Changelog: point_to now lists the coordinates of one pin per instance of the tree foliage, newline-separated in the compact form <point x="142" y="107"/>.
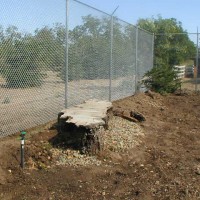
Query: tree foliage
<point x="172" y="45"/>
<point x="25" y="57"/>
<point x="89" y="49"/>
<point x="20" y="64"/>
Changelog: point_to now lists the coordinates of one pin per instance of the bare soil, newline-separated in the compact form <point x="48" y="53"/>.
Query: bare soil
<point x="165" y="164"/>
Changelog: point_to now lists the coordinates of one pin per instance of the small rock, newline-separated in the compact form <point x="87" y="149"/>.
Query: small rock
<point x="10" y="170"/>
<point x="162" y="109"/>
<point x="103" y="193"/>
<point x="28" y="142"/>
<point x="157" y="182"/>
<point x="197" y="171"/>
<point x="75" y="155"/>
<point x="69" y="157"/>
<point x="140" y="117"/>
<point x="150" y="94"/>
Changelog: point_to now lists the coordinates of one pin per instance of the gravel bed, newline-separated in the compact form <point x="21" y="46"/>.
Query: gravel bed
<point x="74" y="158"/>
<point x="121" y="136"/>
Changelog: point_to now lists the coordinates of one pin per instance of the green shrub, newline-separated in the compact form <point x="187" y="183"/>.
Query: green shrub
<point x="162" y="79"/>
<point x="20" y="67"/>
<point x="22" y="77"/>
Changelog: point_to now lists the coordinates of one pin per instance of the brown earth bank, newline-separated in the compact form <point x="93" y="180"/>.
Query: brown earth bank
<point x="161" y="161"/>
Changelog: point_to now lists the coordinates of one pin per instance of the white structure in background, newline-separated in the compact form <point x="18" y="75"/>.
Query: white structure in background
<point x="189" y="71"/>
<point x="180" y="70"/>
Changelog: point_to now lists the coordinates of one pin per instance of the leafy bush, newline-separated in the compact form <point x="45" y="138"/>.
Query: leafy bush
<point x="20" y="67"/>
<point x="169" y="49"/>
<point x="162" y="79"/>
<point x="22" y="78"/>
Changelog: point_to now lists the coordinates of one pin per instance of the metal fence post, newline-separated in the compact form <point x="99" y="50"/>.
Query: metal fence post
<point x="111" y="59"/>
<point x="66" y="53"/>
<point x="153" y="39"/>
<point x="136" y="61"/>
<point x="111" y="54"/>
<point x="197" y="60"/>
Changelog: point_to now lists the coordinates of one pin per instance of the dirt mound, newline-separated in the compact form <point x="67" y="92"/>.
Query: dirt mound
<point x="158" y="158"/>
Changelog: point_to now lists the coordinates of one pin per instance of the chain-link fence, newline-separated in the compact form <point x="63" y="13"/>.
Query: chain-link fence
<point x="55" y="56"/>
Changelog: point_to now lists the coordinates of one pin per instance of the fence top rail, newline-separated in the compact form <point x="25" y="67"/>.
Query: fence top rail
<point x="92" y="7"/>
<point x="111" y="16"/>
<point x="185" y="33"/>
<point x="125" y="22"/>
<point x="145" y="30"/>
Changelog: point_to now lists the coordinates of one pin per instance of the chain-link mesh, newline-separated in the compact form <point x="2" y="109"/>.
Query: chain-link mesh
<point x="124" y="65"/>
<point x="101" y="63"/>
<point x="89" y="54"/>
<point x="31" y="59"/>
<point x="145" y="53"/>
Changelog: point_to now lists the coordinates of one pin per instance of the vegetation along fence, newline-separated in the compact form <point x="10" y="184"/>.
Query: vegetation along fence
<point x="60" y="53"/>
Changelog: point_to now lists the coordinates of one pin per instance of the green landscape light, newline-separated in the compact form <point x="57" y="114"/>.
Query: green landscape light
<point x="23" y="133"/>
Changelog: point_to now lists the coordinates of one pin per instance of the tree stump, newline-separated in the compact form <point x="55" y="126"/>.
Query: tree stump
<point x="81" y="126"/>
